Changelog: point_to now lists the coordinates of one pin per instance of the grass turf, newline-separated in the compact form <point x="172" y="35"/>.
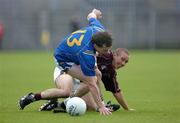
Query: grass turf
<point x="150" y="82"/>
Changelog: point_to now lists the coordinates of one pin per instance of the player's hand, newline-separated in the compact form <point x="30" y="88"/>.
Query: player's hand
<point x="104" y="111"/>
<point x="97" y="13"/>
<point x="131" y="109"/>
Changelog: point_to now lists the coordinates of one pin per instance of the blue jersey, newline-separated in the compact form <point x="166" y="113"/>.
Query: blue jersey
<point x="77" y="48"/>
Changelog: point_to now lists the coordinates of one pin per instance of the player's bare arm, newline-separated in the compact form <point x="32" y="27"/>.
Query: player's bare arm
<point x="91" y="82"/>
<point x="99" y="76"/>
<point x="119" y="97"/>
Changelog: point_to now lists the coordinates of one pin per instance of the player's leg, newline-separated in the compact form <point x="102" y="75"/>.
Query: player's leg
<point x="76" y="84"/>
<point x="64" y="87"/>
<point x="63" y="84"/>
<point x="90" y="103"/>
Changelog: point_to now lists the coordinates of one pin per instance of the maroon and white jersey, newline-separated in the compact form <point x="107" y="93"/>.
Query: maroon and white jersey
<point x="104" y="63"/>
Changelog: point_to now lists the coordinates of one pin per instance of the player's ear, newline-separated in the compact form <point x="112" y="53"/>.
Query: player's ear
<point x="95" y="45"/>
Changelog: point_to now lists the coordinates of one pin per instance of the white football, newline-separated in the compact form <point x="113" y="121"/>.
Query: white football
<point x="76" y="106"/>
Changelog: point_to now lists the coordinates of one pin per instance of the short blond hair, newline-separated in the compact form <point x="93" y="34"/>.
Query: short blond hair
<point x="118" y="51"/>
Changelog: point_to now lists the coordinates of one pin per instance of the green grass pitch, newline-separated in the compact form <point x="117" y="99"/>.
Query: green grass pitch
<point x="150" y="83"/>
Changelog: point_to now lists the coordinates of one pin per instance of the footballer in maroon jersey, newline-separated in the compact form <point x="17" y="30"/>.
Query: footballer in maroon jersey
<point x="107" y="69"/>
<point x="107" y="64"/>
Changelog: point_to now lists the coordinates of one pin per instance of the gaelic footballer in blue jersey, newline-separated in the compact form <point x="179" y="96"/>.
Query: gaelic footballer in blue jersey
<point x="80" y="47"/>
<point x="75" y="55"/>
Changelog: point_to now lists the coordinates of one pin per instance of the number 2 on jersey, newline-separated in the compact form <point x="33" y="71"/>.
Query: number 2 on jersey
<point x="75" y="41"/>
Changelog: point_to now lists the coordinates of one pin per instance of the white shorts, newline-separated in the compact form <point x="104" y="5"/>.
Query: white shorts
<point x="59" y="70"/>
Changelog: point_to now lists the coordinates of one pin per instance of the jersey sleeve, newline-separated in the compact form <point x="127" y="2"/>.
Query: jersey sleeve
<point x="96" y="23"/>
<point x="87" y="63"/>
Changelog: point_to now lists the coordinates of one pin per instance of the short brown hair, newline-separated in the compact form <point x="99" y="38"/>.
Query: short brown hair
<point x="102" y="39"/>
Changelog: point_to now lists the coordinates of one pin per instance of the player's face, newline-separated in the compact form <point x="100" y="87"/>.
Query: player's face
<point x="121" y="60"/>
<point x="102" y="50"/>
